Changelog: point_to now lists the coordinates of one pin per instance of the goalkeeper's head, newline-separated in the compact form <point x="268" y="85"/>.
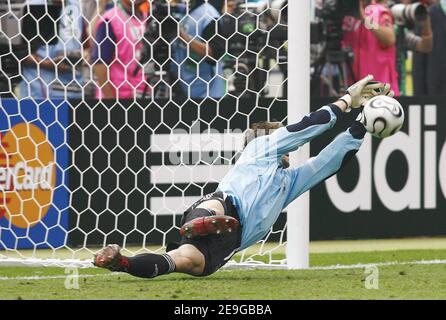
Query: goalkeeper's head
<point x="265" y="128"/>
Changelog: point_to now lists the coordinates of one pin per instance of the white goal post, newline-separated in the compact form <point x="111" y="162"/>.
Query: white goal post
<point x="77" y="173"/>
<point x="298" y="218"/>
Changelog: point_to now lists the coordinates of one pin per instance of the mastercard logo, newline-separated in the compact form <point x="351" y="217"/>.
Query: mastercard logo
<point x="27" y="175"/>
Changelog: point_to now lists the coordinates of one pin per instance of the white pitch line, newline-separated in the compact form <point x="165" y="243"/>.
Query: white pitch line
<point x="58" y="277"/>
<point x="233" y="266"/>
<point x="33" y="262"/>
<point x="379" y="264"/>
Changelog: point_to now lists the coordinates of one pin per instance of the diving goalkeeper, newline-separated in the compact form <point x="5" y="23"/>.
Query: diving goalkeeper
<point x="254" y="192"/>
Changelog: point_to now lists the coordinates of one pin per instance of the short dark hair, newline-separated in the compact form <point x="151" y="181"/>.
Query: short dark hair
<point x="259" y="129"/>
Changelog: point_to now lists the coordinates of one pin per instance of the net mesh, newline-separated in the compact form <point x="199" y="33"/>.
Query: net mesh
<point x="116" y="117"/>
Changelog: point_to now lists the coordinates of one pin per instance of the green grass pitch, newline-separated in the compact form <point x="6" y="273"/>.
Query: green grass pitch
<point x="403" y="276"/>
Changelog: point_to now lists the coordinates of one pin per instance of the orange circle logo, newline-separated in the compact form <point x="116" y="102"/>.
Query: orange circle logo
<point x="27" y="175"/>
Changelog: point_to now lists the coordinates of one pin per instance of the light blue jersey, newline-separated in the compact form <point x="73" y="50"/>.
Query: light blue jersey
<point x="260" y="188"/>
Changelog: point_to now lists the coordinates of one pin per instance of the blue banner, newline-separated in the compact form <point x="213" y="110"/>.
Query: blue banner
<point x="34" y="196"/>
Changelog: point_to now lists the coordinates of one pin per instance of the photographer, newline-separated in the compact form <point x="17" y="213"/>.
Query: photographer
<point x="430" y="69"/>
<point x="372" y="39"/>
<point x="53" y="71"/>
<point x="418" y="34"/>
<point x="414" y="34"/>
<point x="117" y="50"/>
<point x="198" y="51"/>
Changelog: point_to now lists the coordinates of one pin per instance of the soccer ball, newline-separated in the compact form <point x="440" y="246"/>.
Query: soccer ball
<point x="382" y="116"/>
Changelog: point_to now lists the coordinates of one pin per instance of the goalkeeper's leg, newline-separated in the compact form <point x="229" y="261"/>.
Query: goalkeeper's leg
<point x="198" y="256"/>
<point x="328" y="162"/>
<point x="186" y="259"/>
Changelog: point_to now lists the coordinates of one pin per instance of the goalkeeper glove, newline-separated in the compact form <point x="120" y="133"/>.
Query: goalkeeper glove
<point x="364" y="90"/>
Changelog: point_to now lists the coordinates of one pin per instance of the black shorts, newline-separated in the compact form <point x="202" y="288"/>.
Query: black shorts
<point x="217" y="249"/>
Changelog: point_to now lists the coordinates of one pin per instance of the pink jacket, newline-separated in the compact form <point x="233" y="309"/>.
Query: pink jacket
<point x="370" y="56"/>
<point x="129" y="32"/>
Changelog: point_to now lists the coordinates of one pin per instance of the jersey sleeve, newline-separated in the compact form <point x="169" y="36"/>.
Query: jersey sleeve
<point x="290" y="138"/>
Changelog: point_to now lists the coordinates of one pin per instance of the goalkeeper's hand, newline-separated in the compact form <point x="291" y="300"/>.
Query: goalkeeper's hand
<point x="364" y="90"/>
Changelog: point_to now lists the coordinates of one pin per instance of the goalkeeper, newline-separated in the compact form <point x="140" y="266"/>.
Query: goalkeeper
<point x="251" y="196"/>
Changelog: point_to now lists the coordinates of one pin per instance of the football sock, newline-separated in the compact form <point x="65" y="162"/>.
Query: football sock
<point x="148" y="265"/>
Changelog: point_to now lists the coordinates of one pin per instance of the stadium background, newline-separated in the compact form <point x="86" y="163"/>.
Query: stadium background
<point x="424" y="218"/>
<point x="110" y="185"/>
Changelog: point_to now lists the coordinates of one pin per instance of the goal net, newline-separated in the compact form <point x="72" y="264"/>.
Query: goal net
<point x="118" y="115"/>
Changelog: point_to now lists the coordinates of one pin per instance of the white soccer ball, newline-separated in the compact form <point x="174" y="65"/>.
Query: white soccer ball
<point x="383" y="116"/>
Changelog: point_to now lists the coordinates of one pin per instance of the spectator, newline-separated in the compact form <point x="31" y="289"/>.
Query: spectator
<point x="231" y="6"/>
<point x="417" y="38"/>
<point x="372" y="39"/>
<point x="430" y="69"/>
<point x="92" y="11"/>
<point x="54" y="71"/>
<point x="197" y="54"/>
<point x="117" y="50"/>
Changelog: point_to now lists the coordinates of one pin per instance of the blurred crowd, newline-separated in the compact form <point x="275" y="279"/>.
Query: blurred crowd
<point x="400" y="42"/>
<point x="129" y="48"/>
<point x="101" y="48"/>
<point x="120" y="48"/>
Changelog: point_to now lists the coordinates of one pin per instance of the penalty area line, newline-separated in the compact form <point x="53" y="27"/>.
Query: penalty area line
<point x="60" y="277"/>
<point x="379" y="264"/>
<point x="232" y="267"/>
